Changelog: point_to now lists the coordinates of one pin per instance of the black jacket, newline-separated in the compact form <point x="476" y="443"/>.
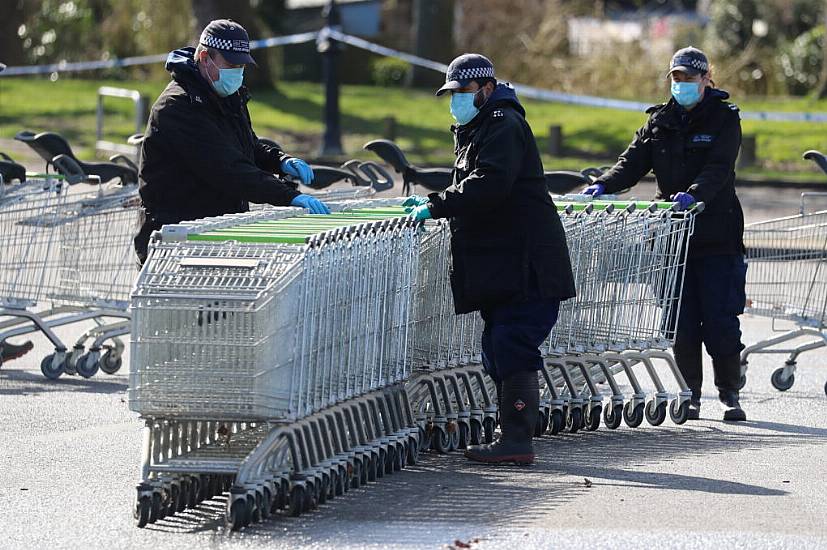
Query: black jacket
<point x="200" y="156"/>
<point x="507" y="241"/>
<point x="692" y="151"/>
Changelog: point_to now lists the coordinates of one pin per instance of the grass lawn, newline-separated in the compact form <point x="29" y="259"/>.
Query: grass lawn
<point x="292" y="115"/>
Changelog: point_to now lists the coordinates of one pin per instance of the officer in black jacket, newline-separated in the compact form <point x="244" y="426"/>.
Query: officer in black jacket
<point x="510" y="258"/>
<point x="200" y="156"/>
<point x="691" y="144"/>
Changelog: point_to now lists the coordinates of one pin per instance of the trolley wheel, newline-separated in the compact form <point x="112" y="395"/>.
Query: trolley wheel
<point x="373" y="467"/>
<point x="323" y="489"/>
<point x="593" y="421"/>
<point x="781" y="383"/>
<point x="86" y="366"/>
<point x="390" y="459"/>
<point x="413" y="453"/>
<point x="298" y="495"/>
<point x="311" y="502"/>
<point x="440" y="440"/>
<point x="825" y="388"/>
<point x="174" y="500"/>
<point x="237" y="516"/>
<point x="488" y="430"/>
<point x="679" y="413"/>
<point x="453" y="434"/>
<point x="49" y="370"/>
<point x="475" y="437"/>
<point x="655" y="415"/>
<point x="381" y="460"/>
<point x="555" y="421"/>
<point x="464" y="435"/>
<point x="142" y="509"/>
<point x="633" y="416"/>
<point x="542" y="424"/>
<point x="612" y="416"/>
<point x="742" y="382"/>
<point x="574" y="420"/>
<point x="110" y="363"/>
<point x="356" y="476"/>
<point x="155" y="508"/>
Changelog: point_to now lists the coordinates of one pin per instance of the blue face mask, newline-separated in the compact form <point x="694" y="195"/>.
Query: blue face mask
<point x="463" y="108"/>
<point x="229" y="81"/>
<point x="686" y="94"/>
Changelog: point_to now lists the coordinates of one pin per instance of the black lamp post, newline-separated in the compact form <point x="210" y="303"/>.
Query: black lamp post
<point x="329" y="48"/>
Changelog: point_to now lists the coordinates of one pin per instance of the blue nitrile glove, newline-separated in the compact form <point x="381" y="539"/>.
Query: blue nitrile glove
<point x="594" y="190"/>
<point x="311" y="203"/>
<point x="420" y="213"/>
<point x="684" y="200"/>
<point x="298" y="168"/>
<point x="415" y="200"/>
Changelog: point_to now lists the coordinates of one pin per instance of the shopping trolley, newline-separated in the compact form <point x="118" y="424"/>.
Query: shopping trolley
<point x="787" y="281"/>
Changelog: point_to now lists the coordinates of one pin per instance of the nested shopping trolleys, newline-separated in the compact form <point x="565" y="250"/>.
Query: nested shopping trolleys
<point x="70" y="262"/>
<point x="787" y="281"/>
<point x="284" y="331"/>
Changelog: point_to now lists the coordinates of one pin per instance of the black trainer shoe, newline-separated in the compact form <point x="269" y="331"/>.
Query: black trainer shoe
<point x="694" y="409"/>
<point x="9" y="351"/>
<point x="732" y="407"/>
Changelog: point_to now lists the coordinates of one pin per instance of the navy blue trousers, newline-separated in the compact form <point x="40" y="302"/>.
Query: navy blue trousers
<point x="713" y="298"/>
<point x="513" y="334"/>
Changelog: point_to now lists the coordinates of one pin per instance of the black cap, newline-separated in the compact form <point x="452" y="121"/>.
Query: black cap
<point x="464" y="69"/>
<point x="691" y="61"/>
<point x="229" y="38"/>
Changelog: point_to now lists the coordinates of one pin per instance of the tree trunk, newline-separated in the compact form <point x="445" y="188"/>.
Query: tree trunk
<point x="241" y="11"/>
<point x="822" y="89"/>
<point x="11" y="47"/>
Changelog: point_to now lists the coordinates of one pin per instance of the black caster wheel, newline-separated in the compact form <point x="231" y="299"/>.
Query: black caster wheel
<point x="142" y="511"/>
<point x="555" y="422"/>
<point x="266" y="503"/>
<point x="633" y="416"/>
<point x="574" y="420"/>
<point x="324" y="490"/>
<point x="679" y="413"/>
<point x="356" y="475"/>
<point x="381" y="460"/>
<point x="593" y="420"/>
<point x="655" y="415"/>
<point x="254" y="507"/>
<point x="390" y="459"/>
<point x="453" y="433"/>
<point x="298" y="496"/>
<point x="781" y="383"/>
<point x="50" y="370"/>
<point x="87" y="366"/>
<point x="488" y="430"/>
<point x="464" y="435"/>
<point x="440" y="440"/>
<point x="184" y="496"/>
<point x="155" y="508"/>
<point x="612" y="416"/>
<point x="237" y="516"/>
<point x="174" y="500"/>
<point x="825" y="388"/>
<point x="373" y="468"/>
<point x="281" y="498"/>
<point x="109" y="363"/>
<point x="413" y="453"/>
<point x="345" y="475"/>
<point x="476" y="432"/>
<point x="195" y="490"/>
<point x="542" y="424"/>
<point x="311" y="501"/>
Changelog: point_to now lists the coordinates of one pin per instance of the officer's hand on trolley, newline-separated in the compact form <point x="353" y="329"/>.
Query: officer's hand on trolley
<point x="419" y="213"/>
<point x="415" y="200"/>
<point x="684" y="200"/>
<point x="311" y="203"/>
<point x="594" y="190"/>
<point x="299" y="169"/>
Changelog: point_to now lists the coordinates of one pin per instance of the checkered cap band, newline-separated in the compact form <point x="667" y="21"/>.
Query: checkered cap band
<point x="687" y="61"/>
<point x="470" y="73"/>
<point x="223" y="44"/>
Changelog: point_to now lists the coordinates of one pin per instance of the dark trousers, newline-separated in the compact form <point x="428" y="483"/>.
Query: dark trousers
<point x="713" y="298"/>
<point x="513" y="334"/>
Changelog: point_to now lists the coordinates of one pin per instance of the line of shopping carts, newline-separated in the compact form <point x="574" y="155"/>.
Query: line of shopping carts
<point x="787" y="282"/>
<point x="287" y="358"/>
<point x="67" y="259"/>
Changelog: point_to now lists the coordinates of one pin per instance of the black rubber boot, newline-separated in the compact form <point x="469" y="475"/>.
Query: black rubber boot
<point x="518" y="418"/>
<point x="732" y="406"/>
<point x="9" y="351"/>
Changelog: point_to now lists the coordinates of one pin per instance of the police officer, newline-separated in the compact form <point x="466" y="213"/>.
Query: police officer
<point x="200" y="156"/>
<point x="510" y="258"/>
<point x="691" y="144"/>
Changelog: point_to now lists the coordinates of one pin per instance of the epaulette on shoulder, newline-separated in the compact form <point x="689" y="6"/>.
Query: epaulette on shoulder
<point x="654" y="108"/>
<point x="732" y="106"/>
<point x="497" y="114"/>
